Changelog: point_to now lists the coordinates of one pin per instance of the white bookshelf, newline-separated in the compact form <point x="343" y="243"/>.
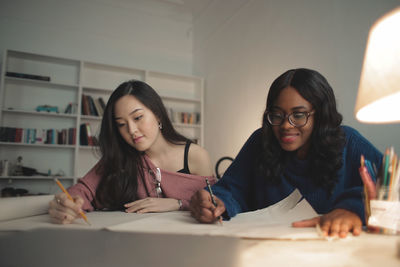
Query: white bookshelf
<point x="69" y="79"/>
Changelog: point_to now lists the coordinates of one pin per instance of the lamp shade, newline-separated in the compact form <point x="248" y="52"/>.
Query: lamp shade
<point x="378" y="99"/>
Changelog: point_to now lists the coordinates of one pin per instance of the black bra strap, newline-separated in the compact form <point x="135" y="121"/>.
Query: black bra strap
<point x="185" y="159"/>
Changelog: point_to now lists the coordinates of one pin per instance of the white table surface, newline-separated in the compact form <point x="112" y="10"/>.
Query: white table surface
<point x="80" y="247"/>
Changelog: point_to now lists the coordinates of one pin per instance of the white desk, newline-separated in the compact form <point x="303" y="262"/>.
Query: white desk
<point x="364" y="250"/>
<point x="175" y="239"/>
<point x="81" y="245"/>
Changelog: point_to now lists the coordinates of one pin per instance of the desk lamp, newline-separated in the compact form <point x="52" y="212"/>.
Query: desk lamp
<point x="378" y="99"/>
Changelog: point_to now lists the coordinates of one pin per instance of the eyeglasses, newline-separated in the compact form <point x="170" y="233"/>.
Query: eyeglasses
<point x="297" y="119"/>
<point x="157" y="181"/>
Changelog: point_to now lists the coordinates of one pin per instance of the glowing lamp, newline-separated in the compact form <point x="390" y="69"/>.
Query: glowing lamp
<point x="378" y="99"/>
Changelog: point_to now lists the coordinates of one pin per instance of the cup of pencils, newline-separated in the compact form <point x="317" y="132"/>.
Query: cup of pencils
<point x="382" y="199"/>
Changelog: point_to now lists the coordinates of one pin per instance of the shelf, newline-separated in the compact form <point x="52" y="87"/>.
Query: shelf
<point x="181" y="99"/>
<point x="36" y="113"/>
<point x="88" y="147"/>
<point x="97" y="89"/>
<point x="70" y="79"/>
<point x="88" y="117"/>
<point x="43" y="83"/>
<point x="39" y="57"/>
<point x="37" y="145"/>
<point x="186" y="125"/>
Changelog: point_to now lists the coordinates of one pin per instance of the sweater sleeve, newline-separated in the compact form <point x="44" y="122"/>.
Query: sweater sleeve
<point x="351" y="197"/>
<point x="86" y="189"/>
<point x="234" y="188"/>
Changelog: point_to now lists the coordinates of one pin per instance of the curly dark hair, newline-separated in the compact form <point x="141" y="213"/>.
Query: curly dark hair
<point x="327" y="138"/>
<point x="121" y="165"/>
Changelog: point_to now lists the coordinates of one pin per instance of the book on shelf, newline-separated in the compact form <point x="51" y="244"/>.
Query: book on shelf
<point x="89" y="134"/>
<point x="7" y="134"/>
<point x="92" y="106"/>
<point x="83" y="137"/>
<point x="18" y="135"/>
<point x="98" y="106"/>
<point x="71" y="136"/>
<point x="85" y="110"/>
<point x="40" y="136"/>
<point x="70" y="108"/>
<point x="184" y="117"/>
<point x="27" y="76"/>
<point x="86" y="138"/>
<point x="102" y="103"/>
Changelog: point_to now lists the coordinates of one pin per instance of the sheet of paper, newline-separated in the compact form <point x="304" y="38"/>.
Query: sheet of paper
<point x="19" y="207"/>
<point x="273" y="222"/>
<point x="98" y="219"/>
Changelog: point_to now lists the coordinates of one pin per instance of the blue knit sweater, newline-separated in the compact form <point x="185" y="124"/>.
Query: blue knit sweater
<point x="243" y="189"/>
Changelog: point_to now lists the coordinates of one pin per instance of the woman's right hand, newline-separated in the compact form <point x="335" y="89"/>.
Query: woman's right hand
<point x="62" y="210"/>
<point x="202" y="208"/>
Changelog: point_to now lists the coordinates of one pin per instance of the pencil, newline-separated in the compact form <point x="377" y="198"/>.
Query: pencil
<point x="69" y="196"/>
<point x="213" y="199"/>
<point x="393" y="168"/>
<point x="386" y="166"/>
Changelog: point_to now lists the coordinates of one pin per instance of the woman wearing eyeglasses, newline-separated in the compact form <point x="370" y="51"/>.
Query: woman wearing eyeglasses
<point x="303" y="145"/>
<point x="145" y="165"/>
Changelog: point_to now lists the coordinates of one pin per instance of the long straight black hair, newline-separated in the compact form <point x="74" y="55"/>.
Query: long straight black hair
<point x="121" y="165"/>
<point x="327" y="138"/>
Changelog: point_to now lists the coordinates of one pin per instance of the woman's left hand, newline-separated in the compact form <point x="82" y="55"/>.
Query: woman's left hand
<point x="152" y="204"/>
<point x="338" y="222"/>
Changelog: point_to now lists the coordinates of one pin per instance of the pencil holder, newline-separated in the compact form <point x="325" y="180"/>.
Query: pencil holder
<point x="384" y="217"/>
<point x="382" y="198"/>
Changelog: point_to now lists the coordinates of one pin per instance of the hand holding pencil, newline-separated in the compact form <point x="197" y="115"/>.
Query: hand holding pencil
<point x="64" y="208"/>
<point x="204" y="210"/>
<point x="213" y="199"/>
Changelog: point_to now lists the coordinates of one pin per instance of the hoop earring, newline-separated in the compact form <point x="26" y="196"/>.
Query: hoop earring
<point x="160" y="125"/>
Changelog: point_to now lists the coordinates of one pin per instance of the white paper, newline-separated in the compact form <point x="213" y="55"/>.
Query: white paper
<point x="19" y="207"/>
<point x="98" y="220"/>
<point x="273" y="222"/>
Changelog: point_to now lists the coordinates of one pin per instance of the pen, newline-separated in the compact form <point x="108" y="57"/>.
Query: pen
<point x="213" y="199"/>
<point x="69" y="196"/>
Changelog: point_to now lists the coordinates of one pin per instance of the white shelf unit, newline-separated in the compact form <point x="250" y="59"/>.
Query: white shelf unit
<point x="69" y="79"/>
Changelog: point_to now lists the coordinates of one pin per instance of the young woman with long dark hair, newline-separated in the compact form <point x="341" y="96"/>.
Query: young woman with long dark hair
<point x="145" y="165"/>
<point x="303" y="145"/>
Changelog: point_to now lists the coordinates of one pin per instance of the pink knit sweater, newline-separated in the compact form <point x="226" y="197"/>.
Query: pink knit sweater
<point x="173" y="184"/>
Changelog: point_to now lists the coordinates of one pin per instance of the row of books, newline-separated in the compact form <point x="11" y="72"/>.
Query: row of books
<point x="184" y="117"/>
<point x="38" y="136"/>
<point x="48" y="136"/>
<point x="92" y="106"/>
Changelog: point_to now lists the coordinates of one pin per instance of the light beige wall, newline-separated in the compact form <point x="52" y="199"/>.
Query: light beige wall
<point x="241" y="46"/>
<point x="136" y="33"/>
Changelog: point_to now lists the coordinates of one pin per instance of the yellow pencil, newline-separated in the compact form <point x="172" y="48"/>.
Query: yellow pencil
<point x="69" y="196"/>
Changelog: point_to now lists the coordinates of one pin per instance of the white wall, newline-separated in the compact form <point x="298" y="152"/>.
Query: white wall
<point x="133" y="33"/>
<point x="241" y="46"/>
